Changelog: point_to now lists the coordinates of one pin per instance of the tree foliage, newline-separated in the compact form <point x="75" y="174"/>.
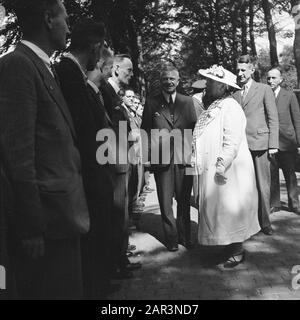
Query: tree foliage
<point x="192" y="33"/>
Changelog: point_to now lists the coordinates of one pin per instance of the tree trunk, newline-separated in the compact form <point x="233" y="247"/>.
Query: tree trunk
<point x="251" y="28"/>
<point x="234" y="40"/>
<point x="296" y="14"/>
<point x="271" y="32"/>
<point x="213" y="34"/>
<point x="244" y="28"/>
<point x="219" y="30"/>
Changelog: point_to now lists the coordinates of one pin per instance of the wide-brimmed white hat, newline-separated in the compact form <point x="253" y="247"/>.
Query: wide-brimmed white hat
<point x="218" y="73"/>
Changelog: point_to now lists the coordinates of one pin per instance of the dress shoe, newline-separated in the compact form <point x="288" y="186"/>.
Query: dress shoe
<point x="148" y="190"/>
<point x="187" y="244"/>
<point x="173" y="248"/>
<point x="234" y="260"/>
<point x="139" y="204"/>
<point x="133" y="266"/>
<point x="274" y="209"/>
<point x="131" y="247"/>
<point x="296" y="210"/>
<point x="267" y="231"/>
<point x="129" y="254"/>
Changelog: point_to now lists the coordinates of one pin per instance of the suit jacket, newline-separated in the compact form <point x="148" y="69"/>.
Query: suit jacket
<point x="289" y="120"/>
<point x="157" y="115"/>
<point x="118" y="115"/>
<point x="89" y="117"/>
<point x="39" y="146"/>
<point x="262" y="116"/>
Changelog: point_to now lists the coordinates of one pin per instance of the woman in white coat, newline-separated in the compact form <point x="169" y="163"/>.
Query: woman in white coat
<point x="224" y="181"/>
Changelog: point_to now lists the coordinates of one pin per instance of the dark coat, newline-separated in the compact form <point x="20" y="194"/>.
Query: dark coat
<point x="39" y="146"/>
<point x="121" y="125"/>
<point x="289" y="120"/>
<point x="157" y="115"/>
<point x="89" y="117"/>
<point x="262" y="117"/>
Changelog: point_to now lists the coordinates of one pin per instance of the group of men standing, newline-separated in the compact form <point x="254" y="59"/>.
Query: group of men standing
<point x="273" y="134"/>
<point x="68" y="224"/>
<point x="67" y="229"/>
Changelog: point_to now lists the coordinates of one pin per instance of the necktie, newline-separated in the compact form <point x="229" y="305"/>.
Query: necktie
<point x="171" y="105"/>
<point x="55" y="74"/>
<point x="101" y="97"/>
<point x="244" y="92"/>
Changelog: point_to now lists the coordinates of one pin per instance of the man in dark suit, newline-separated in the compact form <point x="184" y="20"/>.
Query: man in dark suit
<point x="89" y="116"/>
<point x="167" y="111"/>
<point x="113" y="91"/>
<point x="289" y="141"/>
<point x="258" y="102"/>
<point x="42" y="160"/>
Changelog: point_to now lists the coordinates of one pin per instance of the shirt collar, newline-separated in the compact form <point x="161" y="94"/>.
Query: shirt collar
<point x="39" y="52"/>
<point x="129" y="110"/>
<point x="167" y="96"/>
<point x="92" y="84"/>
<point x="114" y="85"/>
<point x="74" y="59"/>
<point x="248" y="84"/>
<point x="276" y="91"/>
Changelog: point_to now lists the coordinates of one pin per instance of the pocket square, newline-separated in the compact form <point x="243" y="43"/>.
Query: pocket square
<point x="156" y="114"/>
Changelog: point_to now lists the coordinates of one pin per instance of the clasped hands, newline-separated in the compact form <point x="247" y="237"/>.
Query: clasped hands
<point x="220" y="172"/>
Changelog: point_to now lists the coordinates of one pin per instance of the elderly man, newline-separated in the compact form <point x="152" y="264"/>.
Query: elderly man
<point x="39" y="146"/>
<point x="113" y="92"/>
<point x="289" y="142"/>
<point x="167" y="111"/>
<point x="258" y="103"/>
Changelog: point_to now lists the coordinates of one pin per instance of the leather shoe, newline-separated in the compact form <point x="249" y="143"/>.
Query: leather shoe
<point x="234" y="260"/>
<point x="129" y="254"/>
<point x="296" y="210"/>
<point x="131" y="247"/>
<point x="133" y="266"/>
<point x="267" y="231"/>
<point x="274" y="209"/>
<point x="187" y="244"/>
<point x="173" y="248"/>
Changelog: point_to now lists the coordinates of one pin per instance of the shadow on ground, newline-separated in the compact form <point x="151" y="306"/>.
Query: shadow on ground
<point x="198" y="273"/>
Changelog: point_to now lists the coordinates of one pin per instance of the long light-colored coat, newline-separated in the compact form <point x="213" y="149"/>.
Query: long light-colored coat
<point x="228" y="212"/>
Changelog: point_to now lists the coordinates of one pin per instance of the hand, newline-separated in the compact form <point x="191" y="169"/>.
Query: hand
<point x="298" y="150"/>
<point x="220" y="174"/>
<point x="273" y="151"/>
<point x="34" y="247"/>
<point x="220" y="179"/>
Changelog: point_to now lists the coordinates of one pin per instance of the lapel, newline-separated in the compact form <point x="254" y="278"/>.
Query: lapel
<point x="164" y="109"/>
<point x="238" y="97"/>
<point x="50" y="84"/>
<point x="100" y="105"/>
<point x="251" y="93"/>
